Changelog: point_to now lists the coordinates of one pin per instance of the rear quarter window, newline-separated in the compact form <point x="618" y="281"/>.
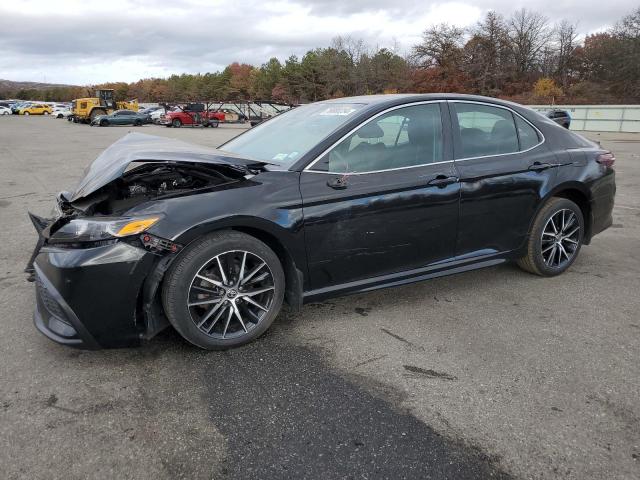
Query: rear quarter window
<point x="528" y="135"/>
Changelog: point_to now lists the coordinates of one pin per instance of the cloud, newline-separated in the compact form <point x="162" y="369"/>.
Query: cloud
<point x="75" y="41"/>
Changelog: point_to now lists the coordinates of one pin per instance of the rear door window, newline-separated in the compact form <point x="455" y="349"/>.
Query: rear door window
<point x="484" y="130"/>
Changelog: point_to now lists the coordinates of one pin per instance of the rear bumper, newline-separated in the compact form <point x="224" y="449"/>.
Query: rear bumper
<point x="602" y="204"/>
<point x="89" y="298"/>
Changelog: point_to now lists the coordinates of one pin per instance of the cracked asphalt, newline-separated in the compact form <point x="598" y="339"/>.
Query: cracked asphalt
<point x="489" y="374"/>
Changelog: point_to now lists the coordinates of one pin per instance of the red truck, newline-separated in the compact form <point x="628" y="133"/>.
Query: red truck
<point x="193" y="114"/>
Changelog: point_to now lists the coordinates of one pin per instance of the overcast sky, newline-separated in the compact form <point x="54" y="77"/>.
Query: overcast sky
<point x="86" y="41"/>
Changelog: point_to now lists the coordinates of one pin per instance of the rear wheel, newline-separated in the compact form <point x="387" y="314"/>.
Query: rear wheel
<point x="224" y="290"/>
<point x="26" y="113"/>
<point x="176" y="123"/>
<point x="555" y="238"/>
<point x="104" y="123"/>
<point x="137" y="123"/>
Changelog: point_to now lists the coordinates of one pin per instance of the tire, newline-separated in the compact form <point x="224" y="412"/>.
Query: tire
<point x="137" y="123"/>
<point x="26" y="113"/>
<point x="45" y="113"/>
<point x="538" y="258"/>
<point x="59" y="115"/>
<point x="214" y="123"/>
<point x="95" y="112"/>
<point x="104" y="123"/>
<point x="181" y="286"/>
<point x="176" y="123"/>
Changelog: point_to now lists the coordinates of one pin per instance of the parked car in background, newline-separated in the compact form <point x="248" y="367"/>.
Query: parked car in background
<point x="122" y="117"/>
<point x="15" y="109"/>
<point x="561" y="117"/>
<point x="36" y="109"/>
<point x="192" y="115"/>
<point x="61" y="112"/>
<point x="156" y="115"/>
<point x="418" y="186"/>
<point x="232" y="116"/>
<point x="150" y="110"/>
<point x="5" y="111"/>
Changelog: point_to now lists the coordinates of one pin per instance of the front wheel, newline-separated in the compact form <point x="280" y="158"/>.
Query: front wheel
<point x="104" y="123"/>
<point x="176" y="123"/>
<point x="137" y="123"/>
<point x="224" y="290"/>
<point x="555" y="238"/>
<point x="26" y="113"/>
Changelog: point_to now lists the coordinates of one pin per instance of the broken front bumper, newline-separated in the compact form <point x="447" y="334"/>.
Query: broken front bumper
<point x="89" y="298"/>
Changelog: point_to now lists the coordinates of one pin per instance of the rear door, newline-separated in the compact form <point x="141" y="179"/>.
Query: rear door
<point x="505" y="169"/>
<point x="382" y="200"/>
<point x="123" y="117"/>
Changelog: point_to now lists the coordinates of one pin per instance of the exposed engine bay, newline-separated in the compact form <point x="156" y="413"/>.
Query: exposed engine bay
<point x="151" y="181"/>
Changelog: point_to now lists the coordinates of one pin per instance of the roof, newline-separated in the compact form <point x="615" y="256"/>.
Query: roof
<point x="398" y="98"/>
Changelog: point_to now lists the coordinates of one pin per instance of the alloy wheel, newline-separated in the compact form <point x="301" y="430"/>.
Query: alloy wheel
<point x="560" y="238"/>
<point x="231" y="294"/>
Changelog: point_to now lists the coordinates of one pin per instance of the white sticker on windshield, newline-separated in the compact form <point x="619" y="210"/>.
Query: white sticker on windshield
<point x="338" y="110"/>
<point x="280" y="156"/>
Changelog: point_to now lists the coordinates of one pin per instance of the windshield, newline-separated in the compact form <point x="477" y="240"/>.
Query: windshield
<point x="285" y="138"/>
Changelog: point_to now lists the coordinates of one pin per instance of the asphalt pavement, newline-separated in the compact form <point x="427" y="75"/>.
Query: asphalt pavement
<point x="489" y="374"/>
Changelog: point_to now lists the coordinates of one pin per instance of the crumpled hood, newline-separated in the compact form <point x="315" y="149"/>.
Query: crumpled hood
<point x="139" y="147"/>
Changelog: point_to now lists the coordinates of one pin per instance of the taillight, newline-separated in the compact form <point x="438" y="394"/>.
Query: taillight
<point x="606" y="159"/>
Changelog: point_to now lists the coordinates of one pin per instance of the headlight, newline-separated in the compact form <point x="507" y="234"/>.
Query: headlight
<point x="93" y="229"/>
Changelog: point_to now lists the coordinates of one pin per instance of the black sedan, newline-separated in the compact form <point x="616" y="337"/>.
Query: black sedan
<point x="327" y="199"/>
<point x="122" y="117"/>
<point x="561" y="117"/>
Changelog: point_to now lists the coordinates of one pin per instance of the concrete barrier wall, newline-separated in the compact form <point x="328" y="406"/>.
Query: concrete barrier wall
<point x="602" y="118"/>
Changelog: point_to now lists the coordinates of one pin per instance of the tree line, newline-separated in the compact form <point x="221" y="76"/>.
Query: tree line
<point x="523" y="57"/>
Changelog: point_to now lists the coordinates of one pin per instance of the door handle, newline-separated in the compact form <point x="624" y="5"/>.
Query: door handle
<point x="338" y="183"/>
<point x="539" y="166"/>
<point x="442" y="181"/>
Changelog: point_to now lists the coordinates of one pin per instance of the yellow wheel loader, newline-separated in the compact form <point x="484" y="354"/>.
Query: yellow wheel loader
<point x="84" y="110"/>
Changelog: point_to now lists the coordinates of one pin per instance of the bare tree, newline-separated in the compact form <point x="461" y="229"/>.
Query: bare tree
<point x="566" y="43"/>
<point x="529" y="34"/>
<point x="487" y="53"/>
<point x="441" y="47"/>
<point x="627" y="55"/>
<point x="354" y="47"/>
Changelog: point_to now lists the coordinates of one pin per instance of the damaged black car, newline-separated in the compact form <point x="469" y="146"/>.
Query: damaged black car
<point x="331" y="198"/>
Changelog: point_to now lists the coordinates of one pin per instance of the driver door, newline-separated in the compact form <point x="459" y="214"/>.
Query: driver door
<point x="383" y="200"/>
